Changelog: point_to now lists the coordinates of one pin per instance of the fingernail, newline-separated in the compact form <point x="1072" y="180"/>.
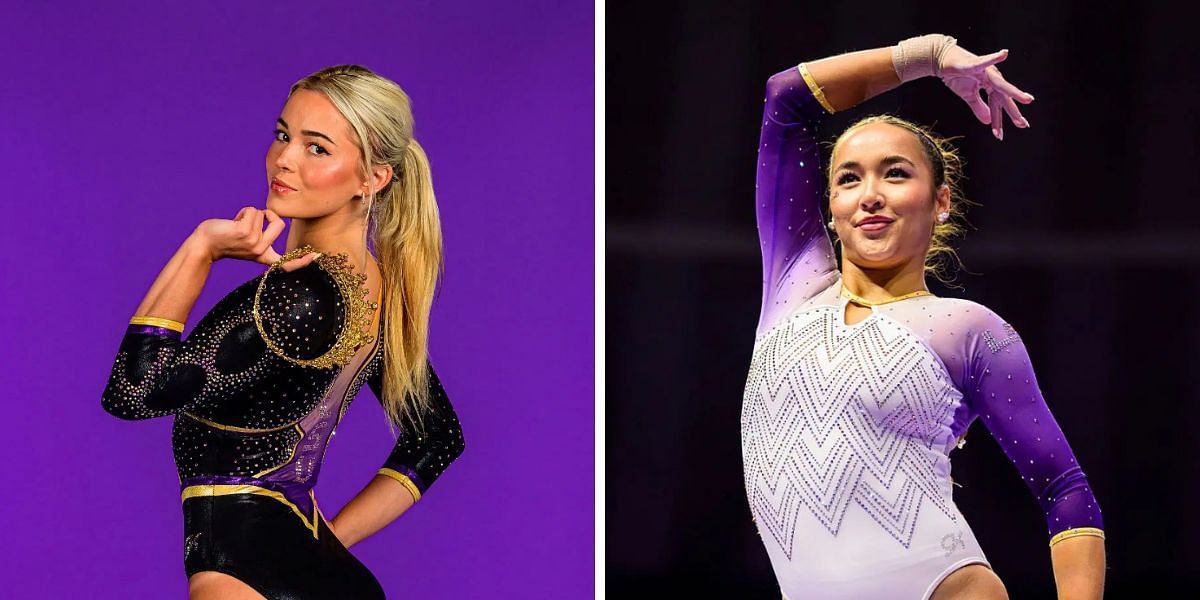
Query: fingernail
<point x="1025" y="121"/>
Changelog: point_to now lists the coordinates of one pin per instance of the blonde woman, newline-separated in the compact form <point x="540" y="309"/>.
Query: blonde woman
<point x="259" y="385"/>
<point x="862" y="382"/>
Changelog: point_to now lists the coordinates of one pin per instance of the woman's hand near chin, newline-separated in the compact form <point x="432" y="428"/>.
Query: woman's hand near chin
<point x="244" y="238"/>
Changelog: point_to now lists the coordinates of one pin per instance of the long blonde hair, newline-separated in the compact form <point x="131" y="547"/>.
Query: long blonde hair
<point x="941" y="259"/>
<point x="405" y="231"/>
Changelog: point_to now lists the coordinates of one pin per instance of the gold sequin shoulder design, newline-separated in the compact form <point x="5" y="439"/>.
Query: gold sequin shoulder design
<point x="280" y="335"/>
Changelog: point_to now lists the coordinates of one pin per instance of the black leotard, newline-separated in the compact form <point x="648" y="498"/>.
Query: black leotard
<point x="254" y="415"/>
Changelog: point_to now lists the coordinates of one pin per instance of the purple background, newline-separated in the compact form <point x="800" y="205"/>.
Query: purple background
<point x="126" y="125"/>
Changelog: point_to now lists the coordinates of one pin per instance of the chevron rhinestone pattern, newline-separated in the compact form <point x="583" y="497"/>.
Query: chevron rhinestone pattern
<point x="836" y="416"/>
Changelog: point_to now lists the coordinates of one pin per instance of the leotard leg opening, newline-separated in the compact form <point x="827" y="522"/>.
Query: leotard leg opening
<point x="244" y="590"/>
<point x="966" y="562"/>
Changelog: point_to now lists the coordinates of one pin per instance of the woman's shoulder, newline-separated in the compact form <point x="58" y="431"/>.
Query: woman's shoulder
<point x="972" y="320"/>
<point x="959" y="305"/>
<point x="317" y="314"/>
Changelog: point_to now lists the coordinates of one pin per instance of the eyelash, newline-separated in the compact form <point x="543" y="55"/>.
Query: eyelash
<point x="841" y="180"/>
<point x="319" y="147"/>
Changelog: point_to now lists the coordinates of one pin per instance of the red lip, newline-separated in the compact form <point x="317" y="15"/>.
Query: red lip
<point x="874" y="219"/>
<point x="276" y="181"/>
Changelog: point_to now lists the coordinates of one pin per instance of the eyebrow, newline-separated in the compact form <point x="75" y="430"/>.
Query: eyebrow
<point x="308" y="132"/>
<point x="889" y="160"/>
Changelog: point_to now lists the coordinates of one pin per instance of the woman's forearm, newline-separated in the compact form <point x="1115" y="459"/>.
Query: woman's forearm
<point x="382" y="501"/>
<point x="1079" y="568"/>
<point x="848" y="79"/>
<point x="178" y="285"/>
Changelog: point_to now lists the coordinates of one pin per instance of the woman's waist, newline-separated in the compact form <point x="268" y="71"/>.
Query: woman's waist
<point x="837" y="544"/>
<point x="298" y="497"/>
<point x="299" y="494"/>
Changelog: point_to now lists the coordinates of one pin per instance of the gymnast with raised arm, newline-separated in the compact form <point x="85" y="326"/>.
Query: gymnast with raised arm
<point x="862" y="382"/>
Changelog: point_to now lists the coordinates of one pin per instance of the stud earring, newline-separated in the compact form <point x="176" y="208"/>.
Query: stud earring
<point x="830" y="224"/>
<point x="943" y="217"/>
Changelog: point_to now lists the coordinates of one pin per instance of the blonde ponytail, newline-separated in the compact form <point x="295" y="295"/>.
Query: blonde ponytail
<point x="408" y="240"/>
<point x="406" y="232"/>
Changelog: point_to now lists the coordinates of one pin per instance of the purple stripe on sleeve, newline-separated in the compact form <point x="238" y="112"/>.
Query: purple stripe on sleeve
<point x="154" y="330"/>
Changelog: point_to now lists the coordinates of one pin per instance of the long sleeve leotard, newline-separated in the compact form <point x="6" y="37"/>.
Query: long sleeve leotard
<point x="847" y="429"/>
<point x="254" y="410"/>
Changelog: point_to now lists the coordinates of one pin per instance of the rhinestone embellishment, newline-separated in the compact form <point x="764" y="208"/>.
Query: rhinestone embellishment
<point x="995" y="345"/>
<point x="359" y="310"/>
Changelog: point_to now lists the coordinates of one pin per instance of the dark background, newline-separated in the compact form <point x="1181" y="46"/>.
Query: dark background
<point x="1086" y="241"/>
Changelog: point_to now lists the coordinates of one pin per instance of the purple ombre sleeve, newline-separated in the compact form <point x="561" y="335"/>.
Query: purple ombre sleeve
<point x="798" y="259"/>
<point x="1004" y="395"/>
<point x="420" y="456"/>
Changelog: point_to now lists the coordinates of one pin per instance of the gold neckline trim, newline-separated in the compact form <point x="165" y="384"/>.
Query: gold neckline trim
<point x="359" y="310"/>
<point x="864" y="302"/>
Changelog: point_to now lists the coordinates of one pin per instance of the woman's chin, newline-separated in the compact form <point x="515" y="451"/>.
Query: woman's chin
<point x="876" y="258"/>
<point x="276" y="205"/>
<point x="875" y="250"/>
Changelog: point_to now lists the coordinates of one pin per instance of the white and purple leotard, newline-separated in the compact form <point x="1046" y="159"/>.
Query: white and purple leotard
<point x="847" y="429"/>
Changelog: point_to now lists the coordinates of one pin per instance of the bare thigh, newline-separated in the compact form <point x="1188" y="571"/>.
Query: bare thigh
<point x="972" y="582"/>
<point x="214" y="585"/>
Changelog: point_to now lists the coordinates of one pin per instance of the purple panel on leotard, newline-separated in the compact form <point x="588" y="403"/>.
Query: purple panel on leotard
<point x="127" y="124"/>
<point x="296" y="494"/>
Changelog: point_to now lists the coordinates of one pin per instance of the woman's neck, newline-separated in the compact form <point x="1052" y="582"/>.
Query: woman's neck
<point x="878" y="285"/>
<point x="331" y="239"/>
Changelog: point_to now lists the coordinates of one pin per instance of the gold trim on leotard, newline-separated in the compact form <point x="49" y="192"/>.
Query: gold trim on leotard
<point x="375" y="350"/>
<point x="816" y="90"/>
<point x="358" y="315"/>
<point x="210" y="490"/>
<point x="1076" y="532"/>
<point x="404" y="480"/>
<point x="158" y="322"/>
<point x="855" y="298"/>
<point x="236" y="429"/>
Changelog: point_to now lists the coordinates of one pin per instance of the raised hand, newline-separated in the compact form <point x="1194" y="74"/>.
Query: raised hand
<point x="966" y="74"/>
<point x="243" y="238"/>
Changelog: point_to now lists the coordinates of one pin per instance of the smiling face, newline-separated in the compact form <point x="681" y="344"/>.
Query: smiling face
<point x="315" y="155"/>
<point x="882" y="197"/>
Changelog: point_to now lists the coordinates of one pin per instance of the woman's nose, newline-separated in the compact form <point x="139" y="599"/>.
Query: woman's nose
<point x="285" y="160"/>
<point x="872" y="203"/>
<point x="871" y="198"/>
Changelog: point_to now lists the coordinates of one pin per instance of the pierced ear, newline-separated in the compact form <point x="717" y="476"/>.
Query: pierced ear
<point x="943" y="198"/>
<point x="380" y="175"/>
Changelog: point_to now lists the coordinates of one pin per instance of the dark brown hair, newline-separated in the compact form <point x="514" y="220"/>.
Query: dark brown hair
<point x="941" y="260"/>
